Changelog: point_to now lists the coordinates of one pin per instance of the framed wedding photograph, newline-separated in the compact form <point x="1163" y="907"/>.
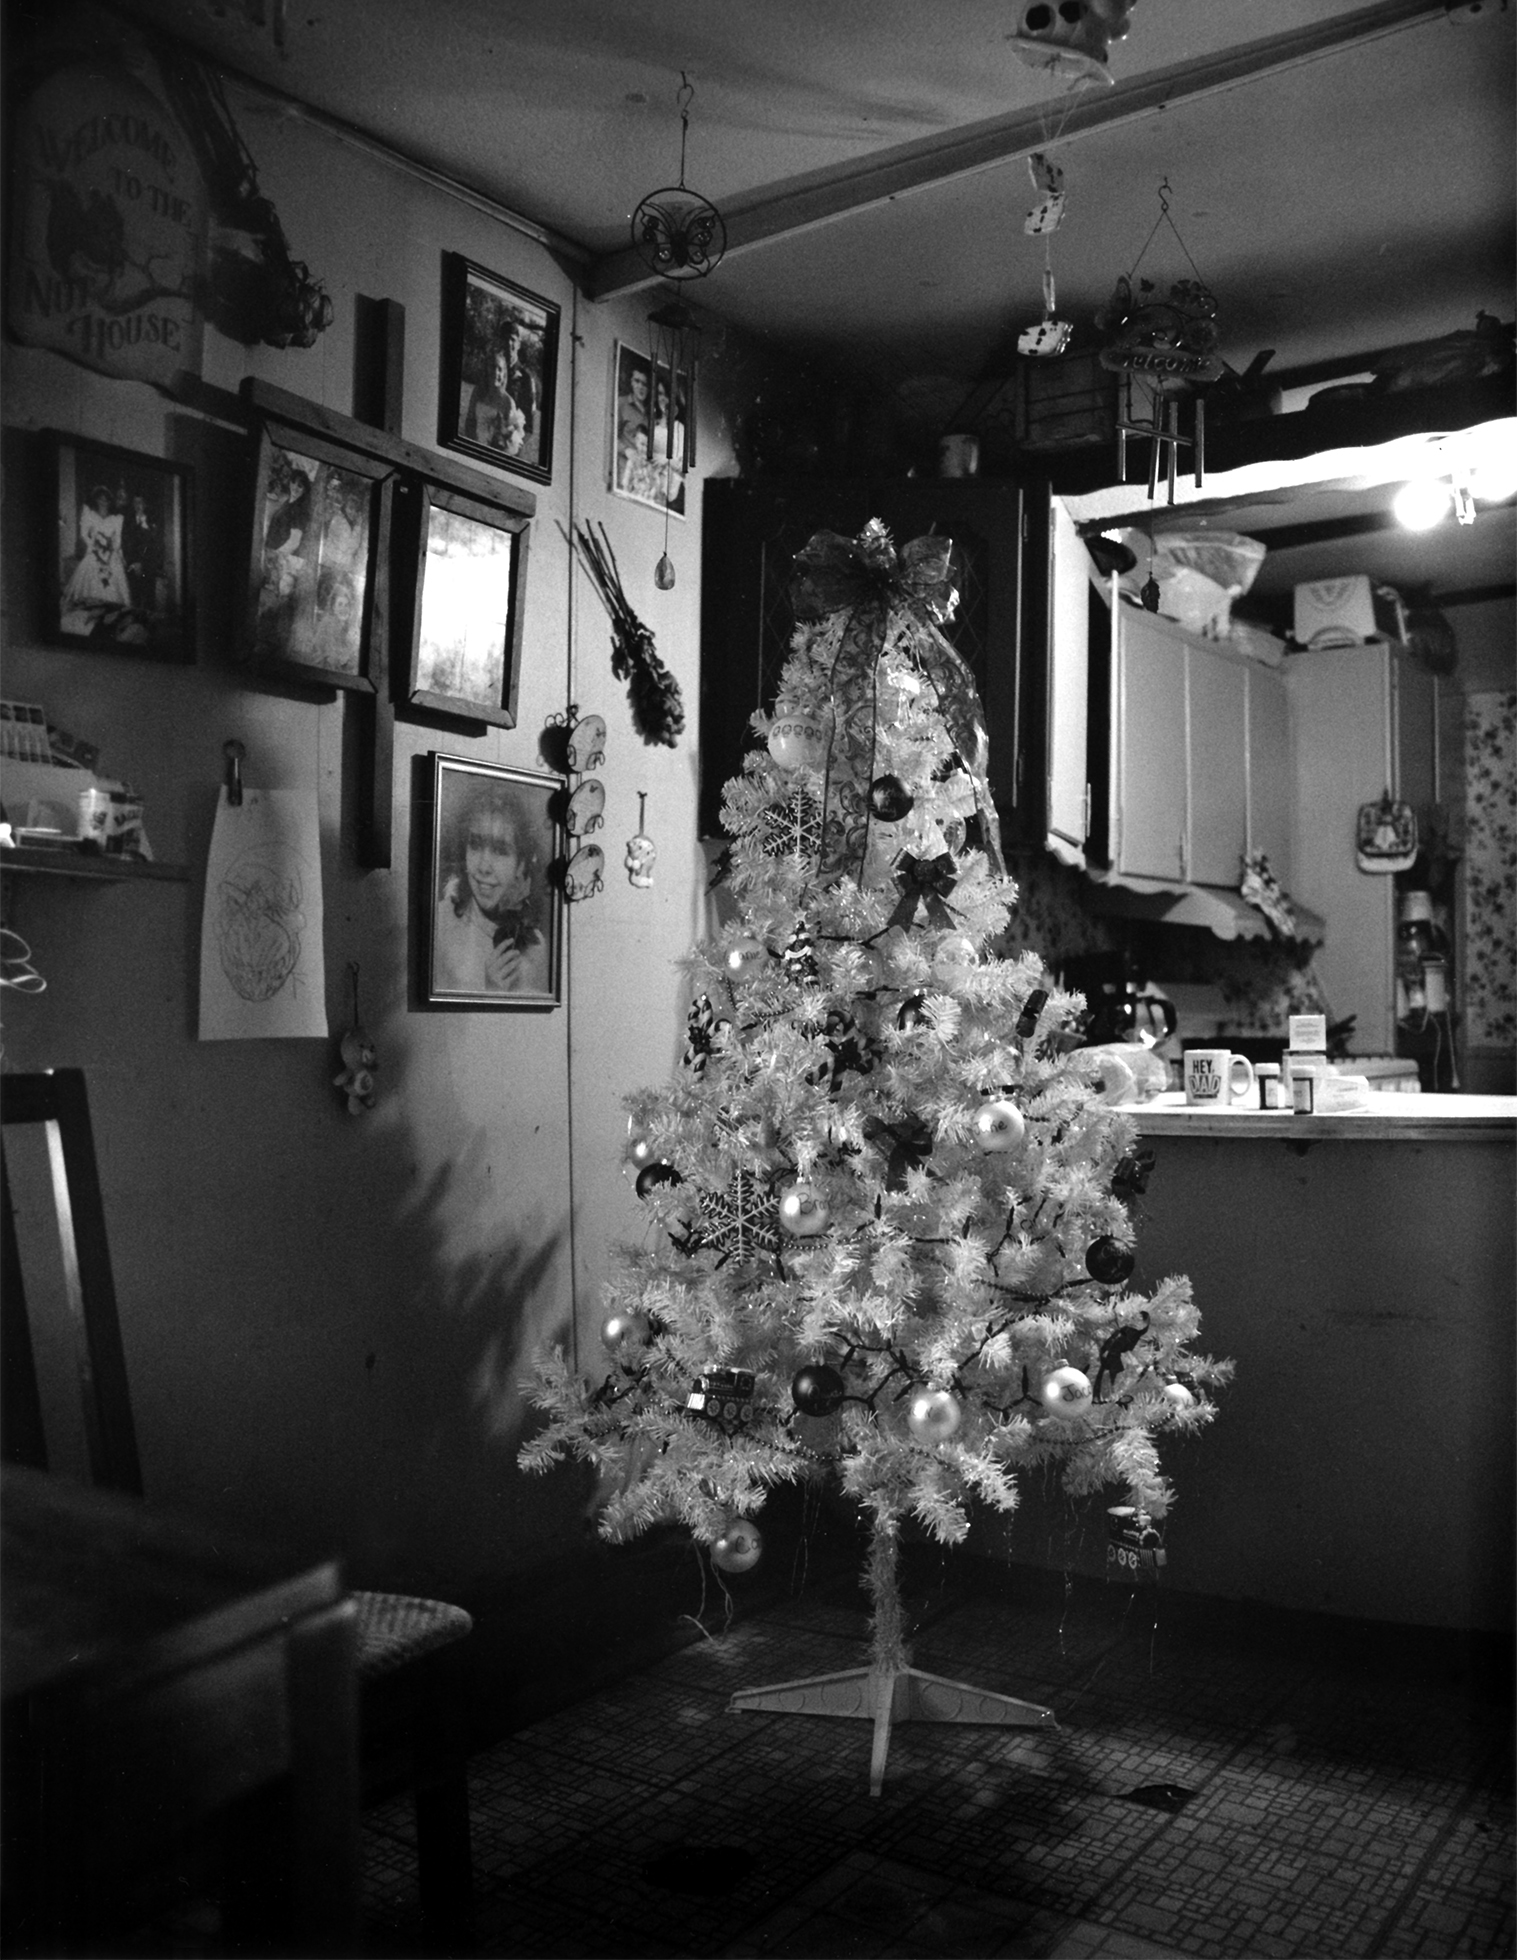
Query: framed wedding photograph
<point x="470" y="601"/>
<point x="494" y="916"/>
<point x="318" y="570"/>
<point x="117" y="570"/>
<point x="499" y="370"/>
<point x="650" y="423"/>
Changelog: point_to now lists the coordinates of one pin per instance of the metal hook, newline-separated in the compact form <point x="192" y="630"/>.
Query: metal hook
<point x="1165" y="194"/>
<point x="234" y="752"/>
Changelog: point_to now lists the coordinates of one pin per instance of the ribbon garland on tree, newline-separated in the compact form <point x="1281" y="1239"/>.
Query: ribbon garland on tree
<point x="866" y="576"/>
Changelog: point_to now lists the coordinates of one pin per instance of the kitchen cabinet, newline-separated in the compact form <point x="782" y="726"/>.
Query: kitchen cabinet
<point x="752" y="530"/>
<point x="1365" y="719"/>
<point x="1199" y="763"/>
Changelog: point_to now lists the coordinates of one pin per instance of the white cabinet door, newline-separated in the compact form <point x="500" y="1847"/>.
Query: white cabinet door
<point x="1217" y="717"/>
<point x="1069" y="590"/>
<point x="1271" y="777"/>
<point x="1341" y="708"/>
<point x="1149" y="747"/>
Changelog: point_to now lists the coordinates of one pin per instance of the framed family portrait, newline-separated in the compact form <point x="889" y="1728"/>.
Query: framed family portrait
<point x="470" y="599"/>
<point x="318" y="576"/>
<point x="117" y="572"/>
<point x="499" y="370"/>
<point x="650" y="432"/>
<point x="494" y="918"/>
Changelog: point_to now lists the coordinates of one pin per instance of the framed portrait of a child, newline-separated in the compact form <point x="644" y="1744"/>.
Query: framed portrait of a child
<point x="494" y="914"/>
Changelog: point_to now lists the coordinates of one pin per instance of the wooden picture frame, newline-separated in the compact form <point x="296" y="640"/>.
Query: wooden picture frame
<point x="318" y="592"/>
<point x="494" y="920"/>
<point x="499" y="374"/>
<point x="471" y="579"/>
<point x="117" y="566"/>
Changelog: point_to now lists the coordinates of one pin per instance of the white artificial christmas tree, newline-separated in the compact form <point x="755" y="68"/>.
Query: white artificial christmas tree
<point x="892" y="1238"/>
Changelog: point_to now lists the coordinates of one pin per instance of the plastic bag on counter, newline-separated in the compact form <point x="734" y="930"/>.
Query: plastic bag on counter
<point x="1127" y="1072"/>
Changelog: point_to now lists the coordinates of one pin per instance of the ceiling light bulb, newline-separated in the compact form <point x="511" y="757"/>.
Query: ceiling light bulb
<point x="1421" y="504"/>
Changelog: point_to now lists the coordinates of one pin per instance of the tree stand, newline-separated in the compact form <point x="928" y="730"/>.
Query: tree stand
<point x="889" y="1690"/>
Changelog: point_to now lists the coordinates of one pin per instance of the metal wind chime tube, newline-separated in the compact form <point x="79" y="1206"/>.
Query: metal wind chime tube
<point x="679" y="235"/>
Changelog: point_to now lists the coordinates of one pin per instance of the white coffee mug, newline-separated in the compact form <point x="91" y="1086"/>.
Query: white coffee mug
<point x="1215" y="1077"/>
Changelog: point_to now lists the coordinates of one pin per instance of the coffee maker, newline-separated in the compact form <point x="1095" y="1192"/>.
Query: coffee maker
<point x="1119" y="1006"/>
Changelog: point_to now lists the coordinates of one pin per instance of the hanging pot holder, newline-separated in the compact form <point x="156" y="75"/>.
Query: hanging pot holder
<point x="1386" y="836"/>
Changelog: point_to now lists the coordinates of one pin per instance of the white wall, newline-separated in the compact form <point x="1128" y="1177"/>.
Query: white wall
<point x="326" y="1317"/>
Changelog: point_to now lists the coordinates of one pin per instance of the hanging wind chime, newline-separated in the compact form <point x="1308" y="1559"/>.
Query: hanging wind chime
<point x="1165" y="351"/>
<point x="679" y="235"/>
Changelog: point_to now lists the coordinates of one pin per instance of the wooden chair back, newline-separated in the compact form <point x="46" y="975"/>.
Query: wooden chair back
<point x="57" y="1101"/>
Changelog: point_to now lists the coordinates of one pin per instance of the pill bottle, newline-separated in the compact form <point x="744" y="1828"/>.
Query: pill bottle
<point x="1271" y="1085"/>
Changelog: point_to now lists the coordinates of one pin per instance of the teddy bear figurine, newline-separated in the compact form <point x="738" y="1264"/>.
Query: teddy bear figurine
<point x="356" y="1081"/>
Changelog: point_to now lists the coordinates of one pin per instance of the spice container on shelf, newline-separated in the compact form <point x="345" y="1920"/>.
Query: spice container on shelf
<point x="1271" y="1085"/>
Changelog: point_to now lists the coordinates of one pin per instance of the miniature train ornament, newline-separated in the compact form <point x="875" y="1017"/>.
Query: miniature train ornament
<point x="1134" y="1546"/>
<point x="725" y="1397"/>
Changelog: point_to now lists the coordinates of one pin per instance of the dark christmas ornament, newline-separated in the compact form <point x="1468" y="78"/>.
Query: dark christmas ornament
<point x="889" y="799"/>
<point x="1108" y="1262"/>
<point x="818" y="1390"/>
<point x="925" y="882"/>
<point x="910" y="1015"/>
<point x="847" y="1048"/>
<point x="1032" y="1007"/>
<point x="651" y="1176"/>
<point x="1129" y="1179"/>
<point x="1114" y="1353"/>
<point x="906" y="1145"/>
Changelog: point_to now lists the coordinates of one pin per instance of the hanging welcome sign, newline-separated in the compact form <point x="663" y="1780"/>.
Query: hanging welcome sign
<point x="110" y="227"/>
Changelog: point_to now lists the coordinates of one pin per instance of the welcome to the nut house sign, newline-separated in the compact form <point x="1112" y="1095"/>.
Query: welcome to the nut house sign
<point x="109" y="226"/>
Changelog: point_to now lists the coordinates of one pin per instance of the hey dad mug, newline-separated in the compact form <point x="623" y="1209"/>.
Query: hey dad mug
<point x="1215" y="1077"/>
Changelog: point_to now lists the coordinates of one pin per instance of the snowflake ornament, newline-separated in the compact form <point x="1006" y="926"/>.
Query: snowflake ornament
<point x="742" y="1219"/>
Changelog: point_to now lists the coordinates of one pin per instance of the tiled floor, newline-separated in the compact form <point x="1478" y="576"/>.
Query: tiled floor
<point x="1195" y="1798"/>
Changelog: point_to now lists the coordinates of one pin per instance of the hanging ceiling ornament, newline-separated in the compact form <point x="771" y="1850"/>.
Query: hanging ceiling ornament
<point x="676" y="232"/>
<point x="1070" y="38"/>
<point x="1165" y="350"/>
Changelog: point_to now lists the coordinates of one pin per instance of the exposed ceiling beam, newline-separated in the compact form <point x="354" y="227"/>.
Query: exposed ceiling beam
<point x="822" y="197"/>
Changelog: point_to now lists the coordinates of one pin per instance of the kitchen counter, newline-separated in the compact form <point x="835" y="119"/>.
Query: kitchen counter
<point x="1387" y="1117"/>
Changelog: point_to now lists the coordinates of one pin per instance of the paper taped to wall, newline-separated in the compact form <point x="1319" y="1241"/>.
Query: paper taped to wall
<point x="262" y="973"/>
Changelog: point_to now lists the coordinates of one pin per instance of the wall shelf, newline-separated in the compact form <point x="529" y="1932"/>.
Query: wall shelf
<point x="63" y="863"/>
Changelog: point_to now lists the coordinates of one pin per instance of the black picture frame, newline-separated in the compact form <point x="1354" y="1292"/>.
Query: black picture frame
<point x="499" y="373"/>
<point x="117" y="562"/>
<point x="318" y="586"/>
<point x="466" y="628"/>
<point x="494" y="919"/>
